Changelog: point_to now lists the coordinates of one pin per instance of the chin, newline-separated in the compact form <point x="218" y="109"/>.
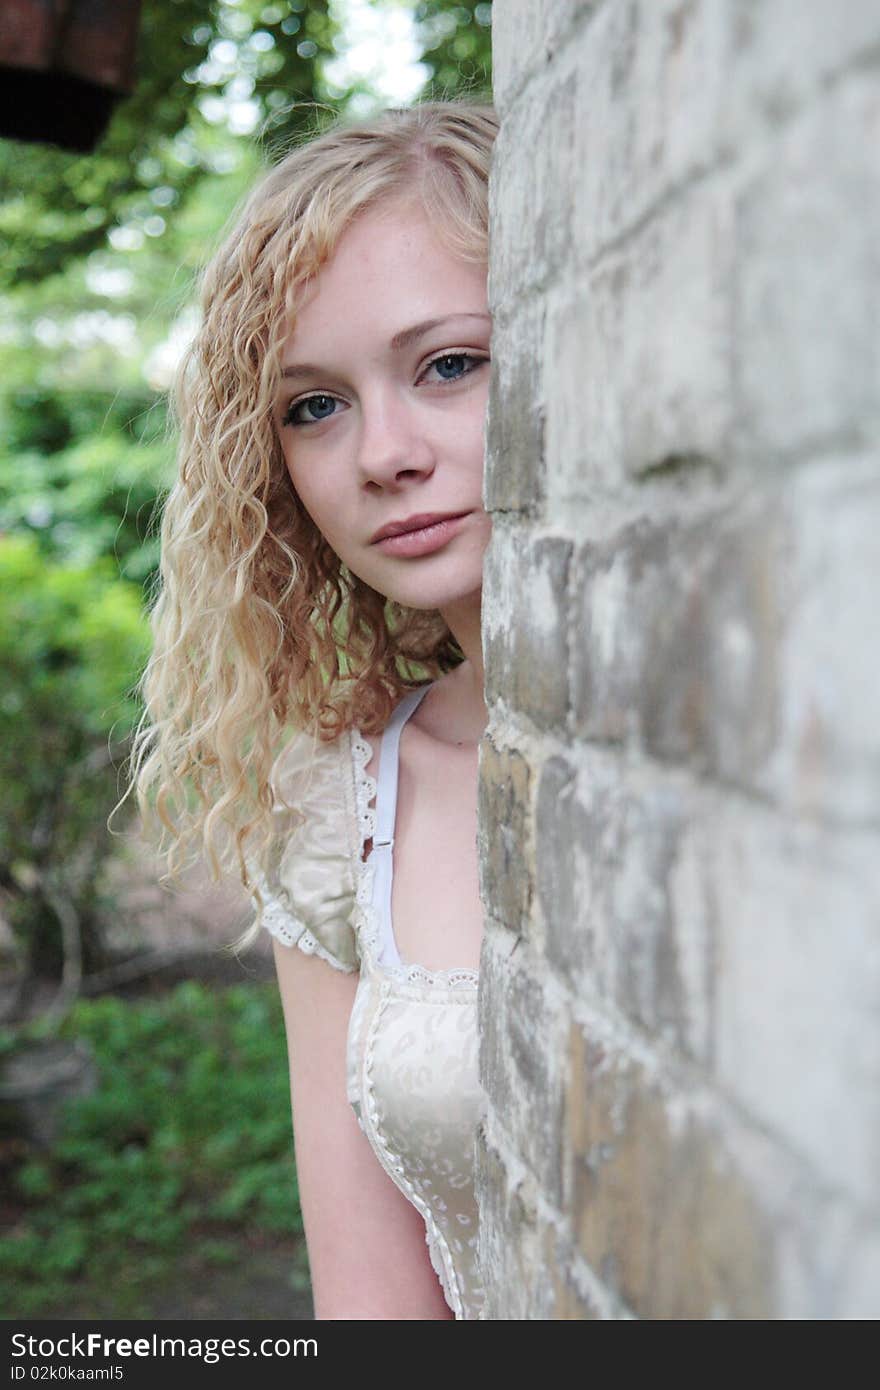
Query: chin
<point x="428" y="597"/>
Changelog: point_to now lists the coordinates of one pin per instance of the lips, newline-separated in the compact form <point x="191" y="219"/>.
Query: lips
<point x="412" y="523"/>
<point x="424" y="540"/>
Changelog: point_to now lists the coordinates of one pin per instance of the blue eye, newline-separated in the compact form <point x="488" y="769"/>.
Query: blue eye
<point x="456" y="357"/>
<point x="323" y="400"/>
<point x="290" y="413"/>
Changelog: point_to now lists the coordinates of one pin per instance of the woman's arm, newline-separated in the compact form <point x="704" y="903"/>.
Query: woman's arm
<point x="366" y="1242"/>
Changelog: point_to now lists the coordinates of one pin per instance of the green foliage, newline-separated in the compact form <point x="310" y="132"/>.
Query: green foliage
<point x="73" y="639"/>
<point x="72" y="636"/>
<point x="84" y="488"/>
<point x="163" y="138"/>
<point x="457" y="47"/>
<point x="187" y="1139"/>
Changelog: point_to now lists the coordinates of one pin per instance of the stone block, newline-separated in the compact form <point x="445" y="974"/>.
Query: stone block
<point x="786" y="55"/>
<point x="514" y="476"/>
<point x="505" y="834"/>
<point x="641" y="347"/>
<point x="525" y="623"/>
<point x="561" y="1300"/>
<point x="678" y="643"/>
<point x="825" y="761"/>
<point x="662" y="1215"/>
<point x="527" y="38"/>
<point x="625" y="898"/>
<point x="807" y="281"/>
<point x="507" y="1250"/>
<point x="521" y="1052"/>
<point x="797" y="990"/>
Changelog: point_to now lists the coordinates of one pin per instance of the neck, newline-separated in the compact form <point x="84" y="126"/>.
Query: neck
<point x="466" y="682"/>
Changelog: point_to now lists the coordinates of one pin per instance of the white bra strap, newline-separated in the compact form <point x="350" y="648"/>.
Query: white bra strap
<point x="386" y="788"/>
<point x="386" y="809"/>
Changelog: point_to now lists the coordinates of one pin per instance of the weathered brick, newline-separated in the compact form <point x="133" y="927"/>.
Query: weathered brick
<point x="534" y="210"/>
<point x="826" y="755"/>
<point x="508" y="1242"/>
<point x="660" y="1211"/>
<point x="673" y="377"/>
<point x="807" y="282"/>
<point x="514" y="473"/>
<point x="495" y="1075"/>
<point x="525" y="625"/>
<point x="528" y="39"/>
<point x="855" y="1294"/>
<point x="663" y="92"/>
<point x="560" y="1296"/>
<point x="520" y="1065"/>
<point x="786" y="54"/>
<point x="516" y="49"/>
<point x="798" y="986"/>
<point x="643" y="344"/>
<point x="625" y="901"/>
<point x="560" y="871"/>
<point x="679" y="639"/>
<point x="681" y="460"/>
<point x="652" y="81"/>
<point x="635" y="111"/>
<point x="504" y="804"/>
<point x="735" y="641"/>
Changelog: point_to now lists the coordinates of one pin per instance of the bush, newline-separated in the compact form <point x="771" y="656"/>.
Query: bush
<point x="185" y="1144"/>
<point x="73" y="640"/>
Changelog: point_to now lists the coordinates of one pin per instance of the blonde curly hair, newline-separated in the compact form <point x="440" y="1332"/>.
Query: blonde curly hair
<point x="258" y="627"/>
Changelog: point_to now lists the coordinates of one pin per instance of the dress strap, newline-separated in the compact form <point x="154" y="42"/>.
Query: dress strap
<point x="386" y="811"/>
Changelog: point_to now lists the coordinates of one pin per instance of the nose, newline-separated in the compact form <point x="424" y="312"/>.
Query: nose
<point x="391" y="441"/>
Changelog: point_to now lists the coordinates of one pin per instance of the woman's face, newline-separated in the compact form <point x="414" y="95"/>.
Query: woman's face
<point x="377" y="431"/>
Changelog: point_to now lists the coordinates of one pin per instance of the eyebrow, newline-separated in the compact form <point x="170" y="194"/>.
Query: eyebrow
<point x="404" y="339"/>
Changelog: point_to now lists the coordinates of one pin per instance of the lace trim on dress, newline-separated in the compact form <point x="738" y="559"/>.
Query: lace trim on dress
<point x="280" y="922"/>
<point x="312" y="947"/>
<point x="369" y="924"/>
<point x="438" y="1250"/>
<point x="364" y="787"/>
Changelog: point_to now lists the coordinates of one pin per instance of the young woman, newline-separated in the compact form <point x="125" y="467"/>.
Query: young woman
<point x="321" y="571"/>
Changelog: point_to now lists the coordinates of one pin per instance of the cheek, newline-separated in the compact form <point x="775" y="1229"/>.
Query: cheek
<point x="474" y="423"/>
<point x="325" y="508"/>
<point x="309" y="496"/>
<point x="303" y="481"/>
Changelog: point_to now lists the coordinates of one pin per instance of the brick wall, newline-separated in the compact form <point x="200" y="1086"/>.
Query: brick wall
<point x="679" y="812"/>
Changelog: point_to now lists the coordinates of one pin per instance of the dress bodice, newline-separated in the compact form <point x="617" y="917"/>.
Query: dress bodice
<point x="412" y="1045"/>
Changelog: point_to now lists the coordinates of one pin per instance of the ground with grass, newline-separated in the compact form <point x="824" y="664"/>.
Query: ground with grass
<point x="169" y="1189"/>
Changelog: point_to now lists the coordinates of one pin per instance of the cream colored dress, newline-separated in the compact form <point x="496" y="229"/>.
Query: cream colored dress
<point x="412" y="1037"/>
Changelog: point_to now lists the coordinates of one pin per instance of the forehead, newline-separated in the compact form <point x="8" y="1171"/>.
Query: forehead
<point x="391" y="268"/>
